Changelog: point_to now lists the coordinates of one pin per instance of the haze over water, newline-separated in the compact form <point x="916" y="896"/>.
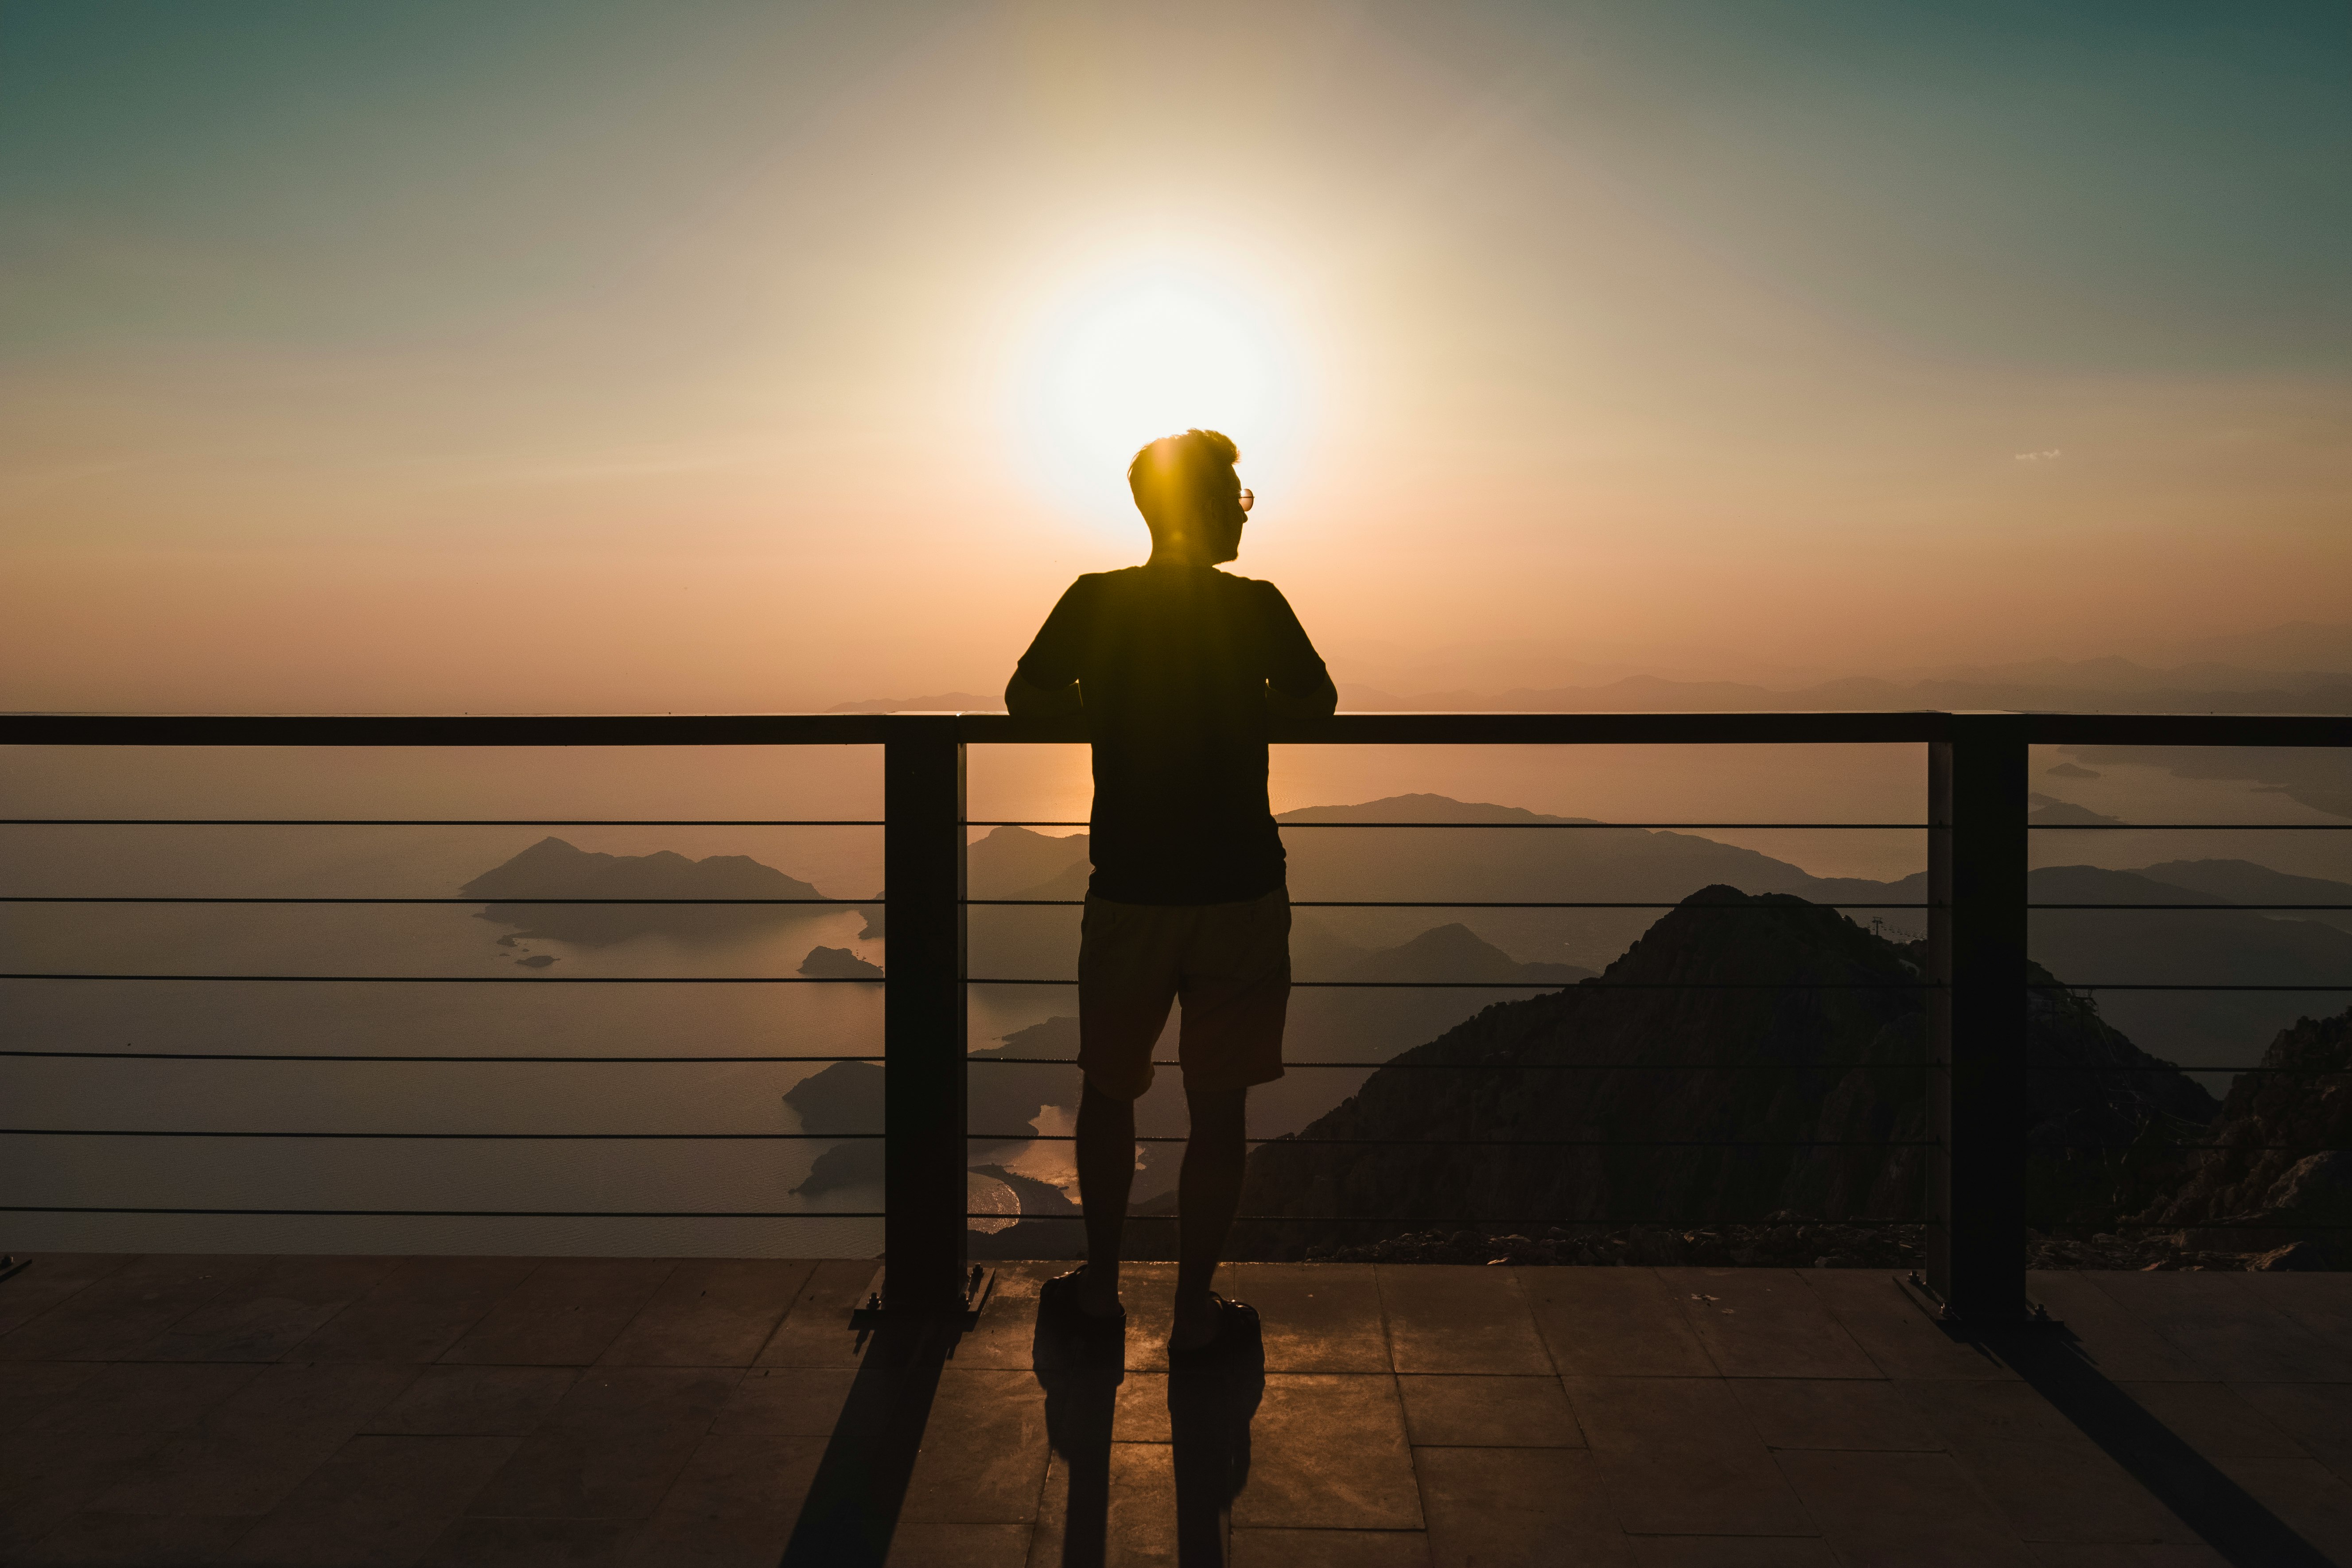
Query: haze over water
<point x="604" y="356"/>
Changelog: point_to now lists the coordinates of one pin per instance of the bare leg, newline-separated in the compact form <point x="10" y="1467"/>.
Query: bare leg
<point x="1106" y="1150"/>
<point x="1208" y="1192"/>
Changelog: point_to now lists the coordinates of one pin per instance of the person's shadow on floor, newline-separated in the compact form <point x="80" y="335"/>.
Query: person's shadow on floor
<point x="1082" y="1366"/>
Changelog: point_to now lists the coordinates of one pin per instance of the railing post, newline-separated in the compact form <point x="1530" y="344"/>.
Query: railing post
<point x="1977" y="1080"/>
<point x="923" y="1036"/>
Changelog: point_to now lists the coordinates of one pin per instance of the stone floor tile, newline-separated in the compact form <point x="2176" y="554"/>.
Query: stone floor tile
<point x="417" y="1311"/>
<point x="2304" y="1494"/>
<point x="1732" y="1552"/>
<point x="816" y="1330"/>
<point x="921" y="1544"/>
<point x="1448" y="1317"/>
<point x="1324" y="1317"/>
<point x="1118" y="1510"/>
<point x="2216" y="1420"/>
<point x="711" y="1311"/>
<point x="529" y="1543"/>
<point x="2227" y="1332"/>
<point x="1486" y="1411"/>
<point x="1831" y="1413"/>
<point x="983" y="1456"/>
<point x="1765" y="1322"/>
<point x="1140" y="1409"/>
<point x="613" y="1446"/>
<point x="249" y="1452"/>
<point x="2321" y="1303"/>
<point x="147" y="1540"/>
<point x="2317" y="1416"/>
<point x="1895" y="1334"/>
<point x="46" y="1477"/>
<point x="110" y="1318"/>
<point x="1328" y="1450"/>
<point x="246" y="1473"/>
<point x="1517" y="1505"/>
<point x="49" y="1278"/>
<point x="2042" y="1473"/>
<point x="2044" y="1477"/>
<point x="2068" y="1555"/>
<point x="786" y="1401"/>
<point x="1326" y="1549"/>
<point x="135" y="1396"/>
<point x="2111" y="1339"/>
<point x="378" y="1503"/>
<point x="1899" y="1511"/>
<point x="1973" y="1410"/>
<point x="267" y="1315"/>
<point x="332" y="1397"/>
<point x="734" y="1503"/>
<point x="475" y="1399"/>
<point x="1680" y="1458"/>
<point x="1613" y="1323"/>
<point x="567" y="1313"/>
<point x="29" y="1390"/>
<point x="1149" y="1293"/>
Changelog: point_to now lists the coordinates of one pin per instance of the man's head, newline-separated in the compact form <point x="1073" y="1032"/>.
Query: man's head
<point x="1186" y="488"/>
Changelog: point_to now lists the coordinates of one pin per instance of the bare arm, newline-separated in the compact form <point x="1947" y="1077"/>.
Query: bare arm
<point x="1023" y="700"/>
<point x="1320" y="704"/>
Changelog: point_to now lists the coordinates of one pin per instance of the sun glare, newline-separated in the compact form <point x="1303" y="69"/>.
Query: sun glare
<point x="1144" y="354"/>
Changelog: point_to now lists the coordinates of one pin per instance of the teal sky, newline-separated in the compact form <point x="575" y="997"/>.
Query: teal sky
<point x="289" y="290"/>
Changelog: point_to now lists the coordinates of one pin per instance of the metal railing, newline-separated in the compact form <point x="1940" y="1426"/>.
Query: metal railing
<point x="1976" y="797"/>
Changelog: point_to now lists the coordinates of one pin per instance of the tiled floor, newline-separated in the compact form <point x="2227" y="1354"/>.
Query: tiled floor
<point x="486" y="1411"/>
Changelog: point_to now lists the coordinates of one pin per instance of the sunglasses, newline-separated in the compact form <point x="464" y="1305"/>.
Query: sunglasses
<point x="1247" y="499"/>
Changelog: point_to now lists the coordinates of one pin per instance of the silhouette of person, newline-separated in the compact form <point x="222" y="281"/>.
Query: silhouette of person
<point x="1179" y="669"/>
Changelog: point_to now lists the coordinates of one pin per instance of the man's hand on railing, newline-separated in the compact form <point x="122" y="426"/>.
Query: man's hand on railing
<point x="1314" y="705"/>
<point x="1023" y="700"/>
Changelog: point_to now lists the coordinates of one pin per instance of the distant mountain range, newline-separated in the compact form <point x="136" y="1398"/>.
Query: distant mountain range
<point x="1588" y="862"/>
<point x="2097" y="685"/>
<point x="1599" y="864"/>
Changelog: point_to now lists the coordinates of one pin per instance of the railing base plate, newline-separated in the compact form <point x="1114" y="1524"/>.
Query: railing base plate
<point x="875" y="1307"/>
<point x="2032" y="1316"/>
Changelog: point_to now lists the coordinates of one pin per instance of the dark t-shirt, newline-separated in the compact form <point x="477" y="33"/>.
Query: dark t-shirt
<point x="1172" y="664"/>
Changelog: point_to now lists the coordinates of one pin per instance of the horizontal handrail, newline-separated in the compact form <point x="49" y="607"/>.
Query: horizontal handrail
<point x="500" y="899"/>
<point x="481" y="979"/>
<point x="318" y="1057"/>
<point x="456" y="1137"/>
<point x="465" y="1214"/>
<point x="1001" y="729"/>
<point x="436" y="822"/>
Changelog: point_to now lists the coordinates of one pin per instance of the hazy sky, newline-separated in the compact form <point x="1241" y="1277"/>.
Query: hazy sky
<point x="575" y="354"/>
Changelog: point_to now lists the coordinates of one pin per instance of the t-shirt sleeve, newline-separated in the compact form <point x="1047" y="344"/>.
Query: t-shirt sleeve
<point x="1052" y="661"/>
<point x="1292" y="665"/>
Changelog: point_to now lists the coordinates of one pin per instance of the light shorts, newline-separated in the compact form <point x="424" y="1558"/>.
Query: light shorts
<point x="1229" y="962"/>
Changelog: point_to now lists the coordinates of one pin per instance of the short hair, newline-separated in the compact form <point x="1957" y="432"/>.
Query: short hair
<point x="1175" y="469"/>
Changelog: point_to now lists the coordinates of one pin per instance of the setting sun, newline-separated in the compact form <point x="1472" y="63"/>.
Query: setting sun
<point x="1145" y="352"/>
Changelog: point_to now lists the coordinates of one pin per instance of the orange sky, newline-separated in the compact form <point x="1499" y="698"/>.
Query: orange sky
<point x="609" y="356"/>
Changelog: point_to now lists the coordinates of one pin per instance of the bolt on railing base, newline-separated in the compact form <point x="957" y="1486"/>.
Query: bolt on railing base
<point x="2031" y="1314"/>
<point x="875" y="1306"/>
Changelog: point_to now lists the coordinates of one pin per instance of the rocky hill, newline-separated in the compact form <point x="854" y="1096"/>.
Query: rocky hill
<point x="1792" y="1031"/>
<point x="552" y="869"/>
<point x="2284" y="1168"/>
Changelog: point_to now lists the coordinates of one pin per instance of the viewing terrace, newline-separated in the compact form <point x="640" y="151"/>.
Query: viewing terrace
<point x="465" y="1411"/>
<point x="319" y="1408"/>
